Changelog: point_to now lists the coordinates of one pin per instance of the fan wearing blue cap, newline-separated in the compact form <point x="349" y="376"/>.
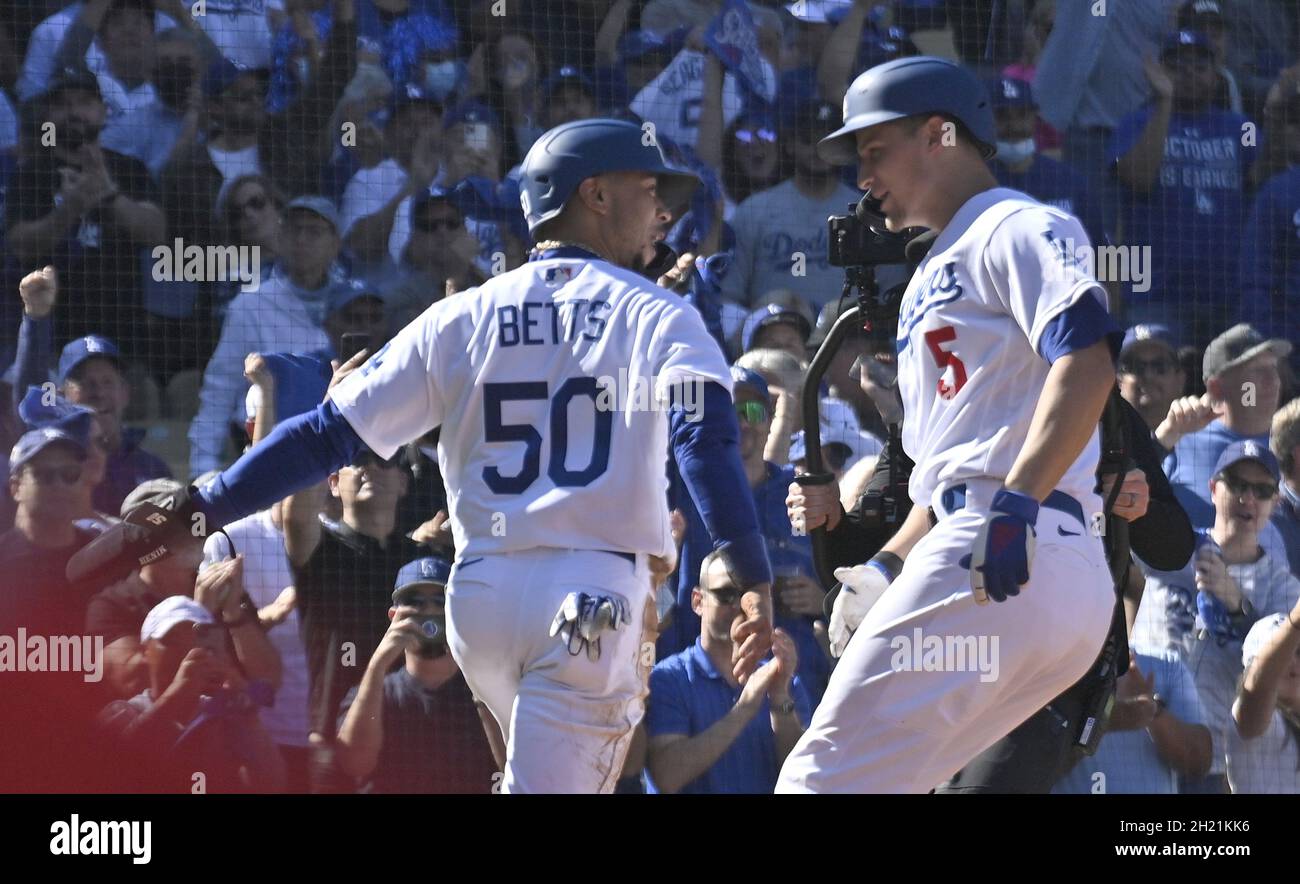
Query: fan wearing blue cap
<point x="1182" y="164"/>
<point x="1019" y="165"/>
<point x="1151" y="376"/>
<point x="409" y="729"/>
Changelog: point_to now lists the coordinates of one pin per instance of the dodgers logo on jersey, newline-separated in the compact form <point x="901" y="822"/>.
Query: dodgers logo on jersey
<point x="941" y="287"/>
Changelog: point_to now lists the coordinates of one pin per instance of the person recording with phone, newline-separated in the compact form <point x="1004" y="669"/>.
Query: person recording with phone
<point x="405" y="730"/>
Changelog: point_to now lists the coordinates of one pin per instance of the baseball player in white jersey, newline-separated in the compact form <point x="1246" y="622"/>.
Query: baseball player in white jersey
<point x="1005" y="357"/>
<point x="559" y="387"/>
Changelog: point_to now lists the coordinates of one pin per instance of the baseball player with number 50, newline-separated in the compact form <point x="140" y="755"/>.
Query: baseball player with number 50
<point x="1005" y="358"/>
<point x="559" y="387"/>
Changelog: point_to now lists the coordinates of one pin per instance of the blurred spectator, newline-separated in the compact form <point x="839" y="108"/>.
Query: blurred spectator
<point x="42" y="409"/>
<point x="707" y="734"/>
<point x="240" y="29"/>
<point x="198" y="713"/>
<point x="784" y="375"/>
<point x="1020" y="166"/>
<point x="412" y="140"/>
<point x="1090" y="75"/>
<point x="168" y="126"/>
<point x="438" y="260"/>
<point x="1243" y="389"/>
<point x="844" y="442"/>
<point x="626" y="60"/>
<point x="89" y="375"/>
<point x="117" y="612"/>
<point x="45" y="472"/>
<point x="797" y="598"/>
<point x="1264" y="744"/>
<point x="1206" y="17"/>
<point x="472" y="171"/>
<point x="841" y="378"/>
<point x="414" y="729"/>
<point x="251" y="212"/>
<point x="283" y="315"/>
<point x="41" y="60"/>
<point x="1150" y="375"/>
<point x="356" y="308"/>
<point x="783" y="323"/>
<point x="1205" y="610"/>
<point x="289" y="147"/>
<point x="1038" y="27"/>
<point x="567" y="95"/>
<point x="88" y="212"/>
<point x="1260" y="42"/>
<point x="1270" y="240"/>
<point x="125" y="32"/>
<point x="1284" y="442"/>
<point x="343" y="574"/>
<point x="506" y="80"/>
<point x="1182" y="163"/>
<point x="1156" y="734"/>
<point x="781" y="234"/>
<point x="750" y="159"/>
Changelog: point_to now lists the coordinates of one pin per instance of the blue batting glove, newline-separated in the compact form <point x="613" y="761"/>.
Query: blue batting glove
<point x="1004" y="547"/>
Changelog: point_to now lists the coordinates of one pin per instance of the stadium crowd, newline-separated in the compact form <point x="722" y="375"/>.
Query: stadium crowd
<point x="205" y="213"/>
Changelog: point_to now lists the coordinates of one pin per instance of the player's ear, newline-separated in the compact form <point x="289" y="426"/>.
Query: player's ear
<point x="593" y="194"/>
<point x="334" y="484"/>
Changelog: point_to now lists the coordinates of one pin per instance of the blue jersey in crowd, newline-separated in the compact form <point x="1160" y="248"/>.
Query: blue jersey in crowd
<point x="688" y="696"/>
<point x="1193" y="210"/>
<point x="1270" y="258"/>
<point x="1190" y="466"/>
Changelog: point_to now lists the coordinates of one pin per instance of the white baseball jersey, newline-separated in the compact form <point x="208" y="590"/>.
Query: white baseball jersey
<point x="969" y="327"/>
<point x="548" y="384"/>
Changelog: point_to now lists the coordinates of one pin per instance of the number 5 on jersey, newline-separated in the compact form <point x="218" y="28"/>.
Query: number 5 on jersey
<point x="946" y="359"/>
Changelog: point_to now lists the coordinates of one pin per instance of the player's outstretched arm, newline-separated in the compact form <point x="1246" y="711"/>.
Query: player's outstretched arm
<point x="704" y="443"/>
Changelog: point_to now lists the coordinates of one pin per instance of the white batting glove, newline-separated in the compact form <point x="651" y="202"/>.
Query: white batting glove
<point x="862" y="586"/>
<point x="582" y="618"/>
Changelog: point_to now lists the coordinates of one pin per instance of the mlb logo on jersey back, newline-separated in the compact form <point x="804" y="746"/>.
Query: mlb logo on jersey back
<point x="556" y="276"/>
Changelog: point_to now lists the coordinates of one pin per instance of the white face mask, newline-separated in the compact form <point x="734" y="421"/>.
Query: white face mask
<point x="441" y="78"/>
<point x="1014" y="153"/>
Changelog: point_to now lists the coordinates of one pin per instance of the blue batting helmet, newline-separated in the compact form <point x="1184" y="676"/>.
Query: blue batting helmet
<point x="907" y="87"/>
<point x="570" y="153"/>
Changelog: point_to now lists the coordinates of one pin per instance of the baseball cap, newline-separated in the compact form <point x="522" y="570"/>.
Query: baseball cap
<point x="222" y="74"/>
<point x="36" y="412"/>
<point x="771" y="314"/>
<point x="1150" y="331"/>
<point x="752" y="379"/>
<point x="568" y="75"/>
<point x="471" y="112"/>
<point x="811" y="119"/>
<point x="317" y="205"/>
<point x="430" y="570"/>
<point x="147" y="491"/>
<point x="1258" y="637"/>
<point x="173" y="611"/>
<point x="1248" y="449"/>
<point x="1011" y="92"/>
<point x="1238" y="345"/>
<point x="344" y="293"/>
<point x="819" y="11"/>
<point x="413" y="93"/>
<point x="73" y="76"/>
<point x="1186" y="39"/>
<point x="33" y="442"/>
<point x="78" y="351"/>
<point x="1200" y="12"/>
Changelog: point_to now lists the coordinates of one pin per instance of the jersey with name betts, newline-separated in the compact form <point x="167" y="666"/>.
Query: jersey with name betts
<point x="549" y="383"/>
<point x="970" y="373"/>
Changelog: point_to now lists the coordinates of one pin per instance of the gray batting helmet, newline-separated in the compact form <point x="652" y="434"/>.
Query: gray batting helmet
<point x="570" y="153"/>
<point x="906" y="87"/>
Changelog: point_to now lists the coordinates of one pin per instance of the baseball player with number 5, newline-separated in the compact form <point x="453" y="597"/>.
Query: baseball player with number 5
<point x="1005" y="358"/>
<point x="556" y="479"/>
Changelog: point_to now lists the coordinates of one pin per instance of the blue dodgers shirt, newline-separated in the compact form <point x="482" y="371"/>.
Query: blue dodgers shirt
<point x="1193" y="210"/>
<point x="783" y="547"/>
<point x="688" y="696"/>
<point x="1270" y="259"/>
<point x="1062" y="186"/>
<point x="1191" y="465"/>
<point x="1127" y="762"/>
